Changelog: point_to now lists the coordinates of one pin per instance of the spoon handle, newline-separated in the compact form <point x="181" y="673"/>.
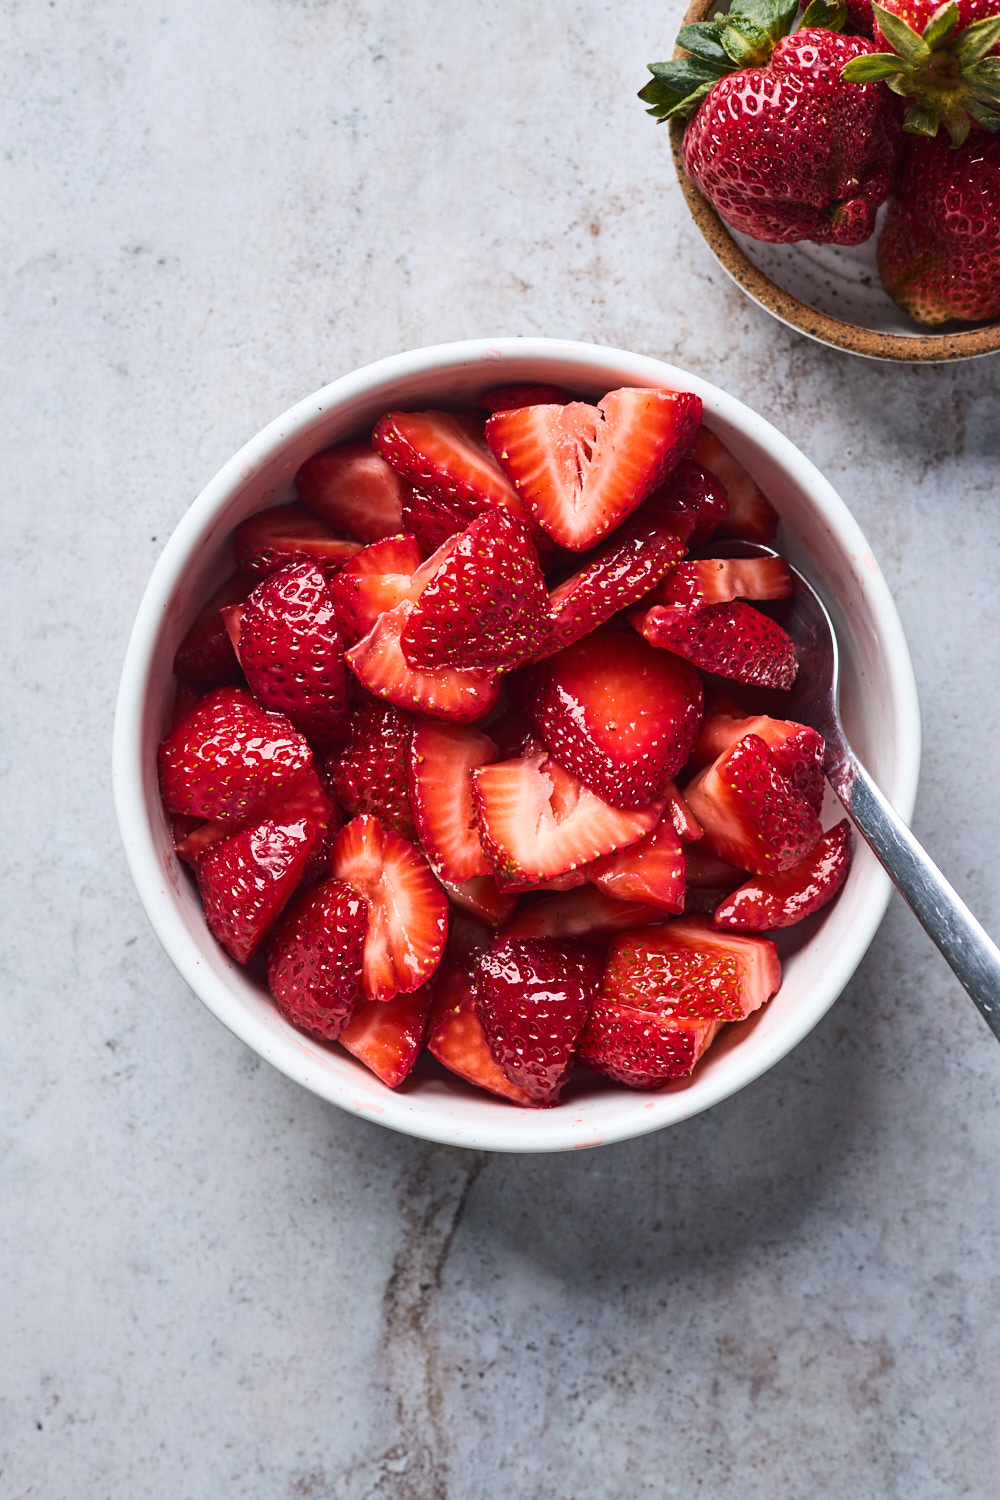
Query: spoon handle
<point x="945" y="917"/>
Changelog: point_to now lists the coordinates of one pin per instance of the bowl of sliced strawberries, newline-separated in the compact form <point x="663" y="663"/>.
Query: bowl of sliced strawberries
<point x="450" y="759"/>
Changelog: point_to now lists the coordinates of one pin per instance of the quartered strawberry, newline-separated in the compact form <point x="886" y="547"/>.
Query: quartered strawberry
<point x="354" y="491"/>
<point x="246" y="880"/>
<point x="581" y="470"/>
<point x="377" y="661"/>
<point x="288" y="534"/>
<point x="687" y="969"/>
<point x="439" y="767"/>
<point x="444" y="455"/>
<point x="751" y="514"/>
<point x="718" y="580"/>
<point x="619" y="715"/>
<point x="732" y="640"/>
<point x="690" y="501"/>
<point x="314" y="959"/>
<point x="510" y="397"/>
<point x="407" y="909"/>
<point x="650" y="871"/>
<point x="433" y="520"/>
<point x="751" y="814"/>
<point x="642" y="1048"/>
<point x="369" y="774"/>
<point x="586" y="913"/>
<point x="770" y="901"/>
<point x="486" y="606"/>
<point x="205" y="657"/>
<point x="533" y="996"/>
<point x="537" y="822"/>
<point x="292" y="654"/>
<point x="482" y="897"/>
<point x="192" y="842"/>
<point x="388" y="1035"/>
<point x="457" y="1038"/>
<point x="226" y="759"/>
<point x="797" y="748"/>
<point x="302" y="796"/>
<point x="375" y="580"/>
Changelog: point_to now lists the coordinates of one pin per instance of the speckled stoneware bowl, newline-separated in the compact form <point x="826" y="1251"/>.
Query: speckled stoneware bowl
<point x="880" y="708"/>
<point x="831" y="293"/>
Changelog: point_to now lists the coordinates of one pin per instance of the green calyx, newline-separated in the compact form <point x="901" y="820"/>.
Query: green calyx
<point x="950" y="76"/>
<point x="745" y="38"/>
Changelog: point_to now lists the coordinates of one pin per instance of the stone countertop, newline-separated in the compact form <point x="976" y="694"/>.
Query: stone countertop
<point x="213" y="1283"/>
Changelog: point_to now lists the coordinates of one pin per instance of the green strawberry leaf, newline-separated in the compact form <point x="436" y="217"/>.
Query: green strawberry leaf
<point x="983" y="115"/>
<point x="973" y="44"/>
<point x="872" y="67"/>
<point x="921" y="119"/>
<point x="678" y="87"/>
<point x="702" y="39"/>
<point x="831" y="15"/>
<point x="902" y="38"/>
<point x="746" y="42"/>
<point x="940" y="26"/>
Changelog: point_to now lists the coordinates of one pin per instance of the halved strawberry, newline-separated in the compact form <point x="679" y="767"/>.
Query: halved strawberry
<point x="690" y="501"/>
<point x="732" y="640"/>
<point x="770" y="901"/>
<point x="377" y="661"/>
<point x="641" y="1048"/>
<point x="444" y="455"/>
<point x="354" y="491"/>
<point x="510" y="397"/>
<point x="687" y="969"/>
<point x="751" y="514"/>
<point x="751" y="814"/>
<point x="369" y="774"/>
<point x="619" y="715"/>
<point x="585" y="913"/>
<point x="246" y="880"/>
<point x="536" y="821"/>
<point x="288" y="534"/>
<point x="314" y="959"/>
<point x="439" y="767"/>
<point x="719" y="580"/>
<point x="482" y="897"/>
<point x="650" y="871"/>
<point x="205" y="657"/>
<point x="407" y="909"/>
<point x="375" y="580"/>
<point x="388" y="1035"/>
<point x="797" y="749"/>
<point x="532" y="996"/>
<point x="581" y="470"/>
<point x="457" y="1038"/>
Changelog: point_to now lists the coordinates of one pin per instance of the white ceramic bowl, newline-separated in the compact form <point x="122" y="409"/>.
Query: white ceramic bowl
<point x="879" y="700"/>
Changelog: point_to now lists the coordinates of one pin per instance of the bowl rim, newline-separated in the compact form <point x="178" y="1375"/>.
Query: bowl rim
<point x="548" y="1130"/>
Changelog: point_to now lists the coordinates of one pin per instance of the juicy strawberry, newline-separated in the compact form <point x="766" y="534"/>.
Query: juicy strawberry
<point x="314" y="959"/>
<point x="457" y="1038"/>
<point x="374" y="581"/>
<point x="444" y="455"/>
<point x="193" y="842"/>
<point x="532" y="996"/>
<point x="227" y="758"/>
<point x="354" y="491"/>
<point x="302" y="796"/>
<point x="288" y="534"/>
<point x="732" y="640"/>
<point x="369" y="774"/>
<point x="246" y="880"/>
<point x="440" y="763"/>
<point x="433" y="520"/>
<point x="291" y="652"/>
<point x="650" y="871"/>
<point x="205" y="657"/>
<point x="581" y="470"/>
<point x="510" y="397"/>
<point x="687" y="825"/>
<point x="686" y="969"/>
<point x="482" y="897"/>
<point x="377" y="661"/>
<point x="407" y="909"/>
<point x="641" y="1048"/>
<point x="536" y="821"/>
<point x="388" y="1035"/>
<point x="690" y="501"/>
<point x="586" y="913"/>
<point x="750" y="514"/>
<point x="751" y="814"/>
<point x="797" y="749"/>
<point x="486" y="606"/>
<point x="619" y="715"/>
<point x="770" y="901"/>
<point x="719" y="580"/>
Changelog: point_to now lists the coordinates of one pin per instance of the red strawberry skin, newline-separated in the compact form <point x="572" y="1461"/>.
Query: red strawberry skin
<point x="685" y="969"/>
<point x="388" y="1036"/>
<point x="314" y="959"/>
<point x="444" y="455"/>
<point x="378" y="662"/>
<point x="733" y="640"/>
<point x="640" y="1048"/>
<point x="510" y="397"/>
<point x="288" y="534"/>
<point x="690" y="501"/>
<point x="354" y="491"/>
<point x="246" y="880"/>
<point x="767" y="902"/>
<point x="790" y="151"/>
<point x="617" y="576"/>
<point x="369" y="774"/>
<point x="205" y="657"/>
<point x="751" y="814"/>
<point x="457" y="1038"/>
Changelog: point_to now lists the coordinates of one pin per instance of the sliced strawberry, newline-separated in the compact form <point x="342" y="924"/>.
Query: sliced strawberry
<point x="246" y="880"/>
<point x="751" y="514"/>
<point x="683" y="819"/>
<point x="509" y="397"/>
<point x="732" y="640"/>
<point x="482" y="897"/>
<point x="374" y="581"/>
<point x="441" y="760"/>
<point x="457" y="1038"/>
<point x="288" y="534"/>
<point x="536" y="821"/>
<point x="685" y="968"/>
<point x="581" y="470"/>
<point x="719" y="580"/>
<point x="619" y="715"/>
<point x="690" y="501"/>
<point x="797" y="749"/>
<point x="302" y="796"/>
<point x="227" y="758"/>
<point x="377" y="661"/>
<point x="388" y="1035"/>
<point x="292" y="654"/>
<point x="196" y="841"/>
<point x="407" y="909"/>
<point x="751" y="814"/>
<point x="205" y="657"/>
<point x="566" y="882"/>
<point x="444" y="455"/>
<point x="771" y="901"/>
<point x="369" y="774"/>
<point x="650" y="871"/>
<point x="532" y="996"/>
<point x="586" y="913"/>
<point x="354" y="491"/>
<point x="314" y="959"/>
<point x="433" y="520"/>
<point x="641" y="1048"/>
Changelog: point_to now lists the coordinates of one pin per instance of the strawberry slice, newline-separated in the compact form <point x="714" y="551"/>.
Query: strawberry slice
<point x="439" y="767"/>
<point x="650" y="871"/>
<point x="354" y="491"/>
<point x="751" y="814"/>
<point x="486" y="606"/>
<point x="687" y="825"/>
<point x="288" y="534"/>
<point x="314" y="959"/>
<point x="581" y="470"/>
<point x="482" y="897"/>
<point x="691" y="501"/>
<point x="586" y="913"/>
<point x="732" y="640"/>
<point x="291" y="651"/>
<point x="247" y="880"/>
<point x="407" y="909"/>
<point x="536" y="821"/>
<point x="533" y="996"/>
<point x="388" y="1035"/>
<point x="510" y="397"/>
<point x="686" y="969"/>
<point x="374" y="581"/>
<point x="619" y="715"/>
<point x="369" y="774"/>
<point x="457" y="1038"/>
<point x="444" y="455"/>
<point x="205" y="657"/>
<point x="719" y="580"/>
<point x="797" y="748"/>
<point x="771" y="901"/>
<point x="377" y="661"/>
<point x="751" y="514"/>
<point x="640" y="1048"/>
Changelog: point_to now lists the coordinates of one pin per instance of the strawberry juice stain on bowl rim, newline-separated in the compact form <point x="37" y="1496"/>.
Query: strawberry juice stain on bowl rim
<point x="820" y="537"/>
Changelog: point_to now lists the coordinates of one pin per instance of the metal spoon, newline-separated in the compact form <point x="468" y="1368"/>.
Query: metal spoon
<point x="814" y="700"/>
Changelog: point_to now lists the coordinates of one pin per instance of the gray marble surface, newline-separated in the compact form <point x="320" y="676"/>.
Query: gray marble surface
<point x="213" y="1284"/>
